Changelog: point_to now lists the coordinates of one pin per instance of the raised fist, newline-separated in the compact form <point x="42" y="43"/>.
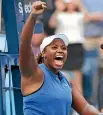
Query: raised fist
<point x="38" y="7"/>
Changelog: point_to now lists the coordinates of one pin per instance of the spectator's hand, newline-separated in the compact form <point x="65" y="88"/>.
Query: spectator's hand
<point x="60" y="6"/>
<point x="38" y="7"/>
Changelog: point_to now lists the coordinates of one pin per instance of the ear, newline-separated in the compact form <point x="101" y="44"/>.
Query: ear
<point x="44" y="54"/>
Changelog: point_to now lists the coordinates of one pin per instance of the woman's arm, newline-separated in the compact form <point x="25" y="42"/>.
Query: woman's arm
<point x="53" y="21"/>
<point x="29" y="68"/>
<point x="59" y="8"/>
<point x="26" y="57"/>
<point x="80" y="104"/>
<point x="94" y="16"/>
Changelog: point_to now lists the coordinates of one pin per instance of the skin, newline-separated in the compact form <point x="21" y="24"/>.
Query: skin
<point x="102" y="110"/>
<point x="32" y="76"/>
<point x="57" y="47"/>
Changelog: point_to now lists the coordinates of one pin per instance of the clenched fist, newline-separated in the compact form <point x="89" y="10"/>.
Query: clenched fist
<point x="38" y="7"/>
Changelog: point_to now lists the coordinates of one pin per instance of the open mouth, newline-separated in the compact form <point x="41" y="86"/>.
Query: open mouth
<point x="59" y="60"/>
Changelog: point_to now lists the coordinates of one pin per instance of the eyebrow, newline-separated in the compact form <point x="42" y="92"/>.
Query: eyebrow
<point x="57" y="44"/>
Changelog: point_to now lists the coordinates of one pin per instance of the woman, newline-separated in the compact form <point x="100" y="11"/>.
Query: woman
<point x="46" y="91"/>
<point x="69" y="19"/>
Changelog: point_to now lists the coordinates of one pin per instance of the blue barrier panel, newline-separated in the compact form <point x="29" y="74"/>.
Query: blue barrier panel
<point x="10" y="26"/>
<point x="7" y="97"/>
<point x="15" y="14"/>
<point x="1" y="100"/>
<point x="18" y="97"/>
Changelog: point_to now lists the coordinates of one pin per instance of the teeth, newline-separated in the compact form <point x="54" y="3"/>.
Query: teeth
<point x="59" y="56"/>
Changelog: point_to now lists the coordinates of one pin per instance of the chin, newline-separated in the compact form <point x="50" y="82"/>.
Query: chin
<point x="58" y="67"/>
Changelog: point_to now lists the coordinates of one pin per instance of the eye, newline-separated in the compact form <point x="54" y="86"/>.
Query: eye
<point x="64" y="48"/>
<point x="54" y="47"/>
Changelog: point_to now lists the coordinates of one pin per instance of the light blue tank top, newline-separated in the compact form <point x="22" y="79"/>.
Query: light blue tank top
<point x="53" y="98"/>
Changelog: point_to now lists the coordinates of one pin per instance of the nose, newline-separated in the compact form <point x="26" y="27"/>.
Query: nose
<point x="60" y="49"/>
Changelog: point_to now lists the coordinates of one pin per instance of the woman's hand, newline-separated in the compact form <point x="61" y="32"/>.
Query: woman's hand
<point x="38" y="7"/>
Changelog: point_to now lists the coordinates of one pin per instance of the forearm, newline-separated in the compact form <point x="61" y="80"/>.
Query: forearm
<point x="26" y="37"/>
<point x="79" y="103"/>
<point x="26" y="56"/>
<point x="27" y="32"/>
<point x="60" y="7"/>
<point x="53" y="19"/>
<point x="94" y="16"/>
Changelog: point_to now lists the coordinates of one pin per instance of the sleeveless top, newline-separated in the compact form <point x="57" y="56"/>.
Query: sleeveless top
<point x="53" y="98"/>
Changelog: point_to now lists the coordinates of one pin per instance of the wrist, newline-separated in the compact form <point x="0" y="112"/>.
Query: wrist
<point x="34" y="15"/>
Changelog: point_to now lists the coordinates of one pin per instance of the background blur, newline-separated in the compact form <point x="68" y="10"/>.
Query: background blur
<point x="13" y="14"/>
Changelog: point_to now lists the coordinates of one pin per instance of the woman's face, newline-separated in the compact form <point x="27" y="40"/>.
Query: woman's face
<point x="55" y="54"/>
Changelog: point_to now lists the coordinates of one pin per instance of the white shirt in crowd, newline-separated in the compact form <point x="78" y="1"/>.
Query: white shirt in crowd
<point x="71" y="24"/>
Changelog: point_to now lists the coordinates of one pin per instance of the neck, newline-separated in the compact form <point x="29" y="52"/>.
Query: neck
<point x="55" y="71"/>
<point x="71" y="11"/>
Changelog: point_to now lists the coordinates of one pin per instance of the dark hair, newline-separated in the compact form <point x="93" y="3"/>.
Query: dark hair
<point x="39" y="58"/>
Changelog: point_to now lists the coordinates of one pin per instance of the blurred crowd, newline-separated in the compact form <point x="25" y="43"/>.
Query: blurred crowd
<point x="82" y="22"/>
